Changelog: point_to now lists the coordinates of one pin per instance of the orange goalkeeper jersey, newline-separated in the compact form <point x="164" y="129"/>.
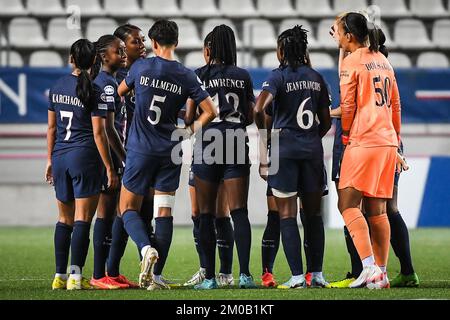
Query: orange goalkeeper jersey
<point x="370" y="100"/>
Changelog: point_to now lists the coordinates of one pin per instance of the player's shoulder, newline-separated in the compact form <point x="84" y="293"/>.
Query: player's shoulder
<point x="105" y="79"/>
<point x="64" y="82"/>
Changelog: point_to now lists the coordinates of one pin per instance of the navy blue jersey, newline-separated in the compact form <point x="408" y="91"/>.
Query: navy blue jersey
<point x="298" y="97"/>
<point x="106" y="94"/>
<point x="129" y="101"/>
<point x="161" y="89"/>
<point x="231" y="89"/>
<point x="73" y="121"/>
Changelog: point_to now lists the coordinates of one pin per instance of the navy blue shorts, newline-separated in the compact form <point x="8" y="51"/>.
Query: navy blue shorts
<point x="299" y="175"/>
<point x="143" y="172"/>
<point x="338" y="152"/>
<point x="78" y="173"/>
<point x="219" y="172"/>
<point x="269" y="192"/>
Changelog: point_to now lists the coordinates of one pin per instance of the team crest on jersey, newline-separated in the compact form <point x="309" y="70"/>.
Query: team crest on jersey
<point x="109" y="90"/>
<point x="106" y="98"/>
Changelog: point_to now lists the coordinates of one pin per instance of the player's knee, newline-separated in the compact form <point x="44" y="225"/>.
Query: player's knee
<point x="68" y="220"/>
<point x="163" y="205"/>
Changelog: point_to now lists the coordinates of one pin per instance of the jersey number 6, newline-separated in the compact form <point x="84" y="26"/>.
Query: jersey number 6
<point x="301" y="113"/>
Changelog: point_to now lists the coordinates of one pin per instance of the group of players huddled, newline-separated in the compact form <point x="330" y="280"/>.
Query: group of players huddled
<point x="111" y="124"/>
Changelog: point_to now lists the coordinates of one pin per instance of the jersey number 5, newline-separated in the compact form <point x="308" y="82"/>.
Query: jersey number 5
<point x="156" y="109"/>
<point x="67" y="114"/>
<point x="383" y="92"/>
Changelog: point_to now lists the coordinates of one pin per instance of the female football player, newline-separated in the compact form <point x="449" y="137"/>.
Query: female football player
<point x="110" y="57"/>
<point x="370" y="107"/>
<point x="151" y="145"/>
<point x="232" y="91"/>
<point x="299" y="94"/>
<point x="77" y="149"/>
<point x="399" y="231"/>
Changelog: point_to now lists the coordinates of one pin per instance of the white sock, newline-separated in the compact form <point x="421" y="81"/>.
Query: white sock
<point x="144" y="250"/>
<point x="157" y="278"/>
<point x="298" y="278"/>
<point x="383" y="268"/>
<point x="369" y="261"/>
<point x="317" y="274"/>
<point x="76" y="276"/>
<point x="203" y="270"/>
<point x="61" y="275"/>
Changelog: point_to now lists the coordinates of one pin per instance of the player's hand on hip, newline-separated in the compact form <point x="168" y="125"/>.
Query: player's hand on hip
<point x="49" y="174"/>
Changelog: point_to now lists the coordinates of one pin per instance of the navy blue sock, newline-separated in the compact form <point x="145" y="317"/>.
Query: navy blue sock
<point x="146" y="214"/>
<point x="118" y="245"/>
<point x="225" y="244"/>
<point x="306" y="237"/>
<point x="207" y="237"/>
<point x="292" y="244"/>
<point x="163" y="236"/>
<point x="400" y="243"/>
<point x="354" y="257"/>
<point x="136" y="228"/>
<point x="243" y="238"/>
<point x="102" y="243"/>
<point x="198" y="247"/>
<point x="63" y="234"/>
<point x="79" y="245"/>
<point x="316" y="242"/>
<point x="270" y="241"/>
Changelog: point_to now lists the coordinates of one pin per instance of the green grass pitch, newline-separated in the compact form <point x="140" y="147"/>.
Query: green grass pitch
<point x="27" y="267"/>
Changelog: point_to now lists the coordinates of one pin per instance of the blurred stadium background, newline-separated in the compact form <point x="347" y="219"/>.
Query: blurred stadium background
<point x="35" y="36"/>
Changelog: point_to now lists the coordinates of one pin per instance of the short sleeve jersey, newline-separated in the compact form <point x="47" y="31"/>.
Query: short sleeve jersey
<point x="73" y="121"/>
<point x="298" y="96"/>
<point x="161" y="89"/>
<point x="105" y="86"/>
<point x="231" y="89"/>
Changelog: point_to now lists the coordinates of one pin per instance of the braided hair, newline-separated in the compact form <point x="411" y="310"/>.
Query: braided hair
<point x="83" y="54"/>
<point x="123" y="31"/>
<point x="293" y="44"/>
<point x="101" y="45"/>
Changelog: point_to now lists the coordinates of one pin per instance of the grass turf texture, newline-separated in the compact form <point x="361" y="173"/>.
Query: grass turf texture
<point x="27" y="268"/>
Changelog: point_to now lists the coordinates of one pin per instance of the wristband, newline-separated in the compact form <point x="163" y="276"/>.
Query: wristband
<point x="345" y="140"/>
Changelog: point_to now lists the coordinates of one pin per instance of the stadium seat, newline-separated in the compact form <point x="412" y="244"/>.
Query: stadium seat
<point x="324" y="38"/>
<point x="199" y="8"/>
<point x="399" y="60"/>
<point x="441" y="32"/>
<point x="320" y="60"/>
<point x="116" y="8"/>
<point x="246" y="60"/>
<point x="59" y="35"/>
<point x="390" y="43"/>
<point x="275" y="9"/>
<point x="89" y="8"/>
<point x="13" y="8"/>
<point x="45" y="58"/>
<point x="209" y="25"/>
<point x="97" y="27"/>
<point x="341" y="6"/>
<point x="143" y="23"/>
<point x="45" y="8"/>
<point x="313" y="8"/>
<point x="392" y="8"/>
<point x="188" y="35"/>
<point x="26" y="33"/>
<point x="411" y="33"/>
<point x="15" y="59"/>
<point x="428" y="9"/>
<point x="194" y="59"/>
<point x="259" y="34"/>
<point x="429" y="60"/>
<point x="270" y="60"/>
<point x="290" y="23"/>
<point x="237" y="8"/>
<point x="161" y="8"/>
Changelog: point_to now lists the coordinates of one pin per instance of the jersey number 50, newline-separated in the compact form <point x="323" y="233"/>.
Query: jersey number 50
<point x="156" y="109"/>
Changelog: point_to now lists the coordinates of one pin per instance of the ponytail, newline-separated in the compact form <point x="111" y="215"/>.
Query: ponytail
<point x="83" y="54"/>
